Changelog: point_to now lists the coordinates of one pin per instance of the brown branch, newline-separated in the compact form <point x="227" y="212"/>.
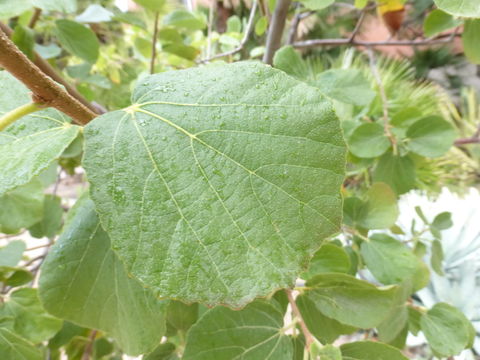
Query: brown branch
<point x="444" y="39"/>
<point x="244" y="40"/>
<point x="89" y="347"/>
<point x="48" y="70"/>
<point x="309" y="338"/>
<point x="357" y="26"/>
<point x="35" y="17"/>
<point x="44" y="89"/>
<point x="292" y="33"/>
<point x="275" y="30"/>
<point x="154" y="43"/>
<point x="467" y="141"/>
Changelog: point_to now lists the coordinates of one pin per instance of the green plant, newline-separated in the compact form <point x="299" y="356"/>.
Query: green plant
<point x="221" y="197"/>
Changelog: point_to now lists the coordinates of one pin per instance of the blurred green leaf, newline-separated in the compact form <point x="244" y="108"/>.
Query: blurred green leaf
<point x="438" y="21"/>
<point x="471" y="39"/>
<point x="368" y="141"/>
<point x="431" y="136"/>
<point x="78" y="39"/>
<point x="11" y="254"/>
<point x="369" y="350"/>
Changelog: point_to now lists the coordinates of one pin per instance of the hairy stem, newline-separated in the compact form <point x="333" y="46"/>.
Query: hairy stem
<point x="275" y="30"/>
<point x="44" y="89"/>
<point x="15" y="114"/>
<point x="48" y="70"/>
<point x="309" y="338"/>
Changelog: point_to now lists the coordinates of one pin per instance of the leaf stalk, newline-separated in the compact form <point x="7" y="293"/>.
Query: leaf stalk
<point x="24" y="110"/>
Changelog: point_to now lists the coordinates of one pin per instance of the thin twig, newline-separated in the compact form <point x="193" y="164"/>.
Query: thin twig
<point x="154" y="43"/>
<point x="275" y="30"/>
<point x="210" y="26"/>
<point x="383" y="97"/>
<point x="357" y="26"/>
<point x="89" y="347"/>
<point x="244" y="40"/>
<point x="292" y="33"/>
<point x="48" y="70"/>
<point x="443" y="39"/>
<point x="309" y="338"/>
<point x="44" y="89"/>
<point x="35" y="17"/>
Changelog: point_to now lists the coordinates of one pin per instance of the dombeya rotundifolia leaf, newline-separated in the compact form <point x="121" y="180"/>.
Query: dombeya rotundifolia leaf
<point x="218" y="194"/>
<point x="249" y="334"/>
<point x="13" y="347"/>
<point x="83" y="281"/>
<point x="32" y="143"/>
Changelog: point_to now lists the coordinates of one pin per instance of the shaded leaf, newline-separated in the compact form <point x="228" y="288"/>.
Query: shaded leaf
<point x="11" y="254"/>
<point x="349" y="300"/>
<point x="464" y="8"/>
<point x="252" y="333"/>
<point x="369" y="350"/>
<point x="13" y="347"/>
<point x="30" y="320"/>
<point x="52" y="218"/>
<point x="431" y="136"/>
<point x="84" y="282"/>
<point x="184" y="19"/>
<point x="438" y="21"/>
<point x="329" y="258"/>
<point x="192" y="152"/>
<point x="471" y="39"/>
<point x="78" y="39"/>
<point x="437" y="256"/>
<point x="396" y="171"/>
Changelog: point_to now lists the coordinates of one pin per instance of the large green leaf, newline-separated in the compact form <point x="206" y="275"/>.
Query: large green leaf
<point x="21" y="207"/>
<point x="349" y="300"/>
<point x="447" y="330"/>
<point x="83" y="281"/>
<point x="390" y="261"/>
<point x="431" y="136"/>
<point x="78" y="39"/>
<point x="218" y="194"/>
<point x="464" y="8"/>
<point x="9" y="8"/>
<point x="13" y="347"/>
<point x="31" y="144"/>
<point x="369" y="350"/>
<point x="471" y="39"/>
<point x="249" y="334"/>
<point x="30" y="320"/>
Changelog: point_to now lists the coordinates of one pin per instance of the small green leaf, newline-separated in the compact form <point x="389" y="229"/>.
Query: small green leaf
<point x="349" y="300"/>
<point x="184" y="19"/>
<point x="289" y="60"/>
<point x="94" y="13"/>
<point x="30" y="320"/>
<point x="52" y="218"/>
<point x="345" y="85"/>
<point x="153" y="5"/>
<point x="165" y="351"/>
<point x="250" y="334"/>
<point x="438" y="21"/>
<point x="360" y="4"/>
<point x="368" y="141"/>
<point x="234" y="24"/>
<point x="369" y="350"/>
<point x="378" y="211"/>
<point x="431" y="136"/>
<point x="464" y="8"/>
<point x="83" y="281"/>
<point x="396" y="171"/>
<point x="327" y="352"/>
<point x="447" y="330"/>
<point x="13" y="347"/>
<point x="16" y="277"/>
<point x="443" y="221"/>
<point x="326" y="329"/>
<point x="180" y="174"/>
<point x="471" y="39"/>
<point x="329" y="258"/>
<point x="21" y="207"/>
<point x="23" y="37"/>
<point x="11" y="254"/>
<point x="388" y="259"/>
<point x="317" y="4"/>
<point x="437" y="256"/>
<point x="78" y="40"/>
<point x="184" y="51"/>
<point x="261" y="25"/>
